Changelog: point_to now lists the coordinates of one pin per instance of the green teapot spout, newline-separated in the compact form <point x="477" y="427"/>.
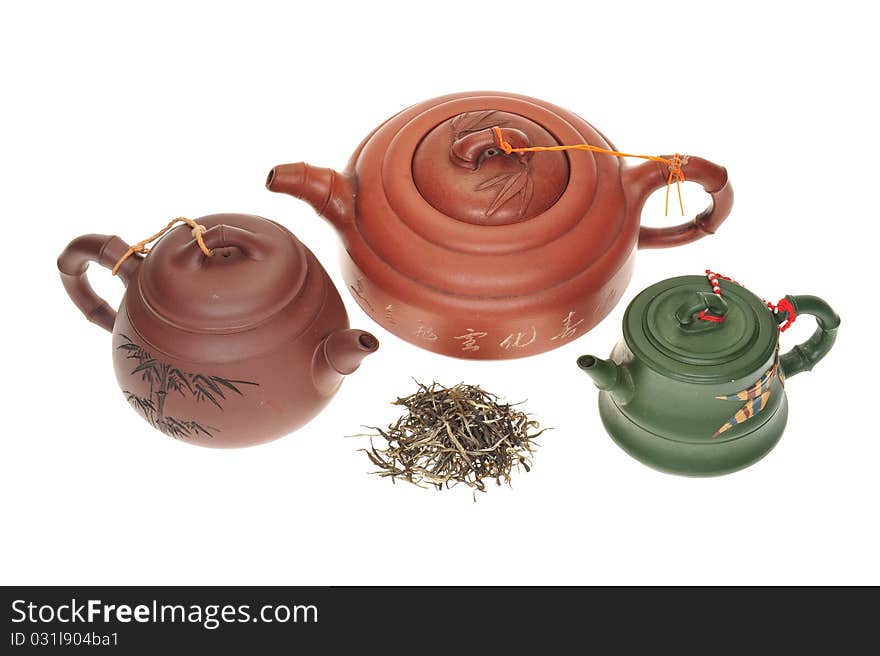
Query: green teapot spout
<point x="609" y="377"/>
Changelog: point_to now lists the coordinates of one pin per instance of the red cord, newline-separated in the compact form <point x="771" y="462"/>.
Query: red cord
<point x="784" y="305"/>
<point x="710" y="317"/>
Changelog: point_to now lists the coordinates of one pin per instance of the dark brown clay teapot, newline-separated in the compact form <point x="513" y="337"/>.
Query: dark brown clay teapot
<point x="459" y="247"/>
<point x="227" y="350"/>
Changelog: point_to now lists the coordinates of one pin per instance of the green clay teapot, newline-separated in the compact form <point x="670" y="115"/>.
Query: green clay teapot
<point x="696" y="386"/>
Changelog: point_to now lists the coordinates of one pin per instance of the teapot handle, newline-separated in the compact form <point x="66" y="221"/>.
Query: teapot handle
<point x="804" y="356"/>
<point x="642" y="180"/>
<point x="73" y="263"/>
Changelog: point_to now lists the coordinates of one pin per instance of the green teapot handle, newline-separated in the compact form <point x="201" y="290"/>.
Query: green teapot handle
<point x="803" y="357"/>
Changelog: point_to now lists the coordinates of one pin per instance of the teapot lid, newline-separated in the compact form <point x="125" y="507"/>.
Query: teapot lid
<point x="438" y="203"/>
<point x="460" y="169"/>
<point x="680" y="328"/>
<point x="256" y="269"/>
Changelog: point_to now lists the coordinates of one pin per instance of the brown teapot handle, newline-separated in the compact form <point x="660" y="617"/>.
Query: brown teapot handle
<point x="73" y="263"/>
<point x="642" y="180"/>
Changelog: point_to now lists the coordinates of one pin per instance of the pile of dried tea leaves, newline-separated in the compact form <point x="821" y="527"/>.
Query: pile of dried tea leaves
<point x="454" y="435"/>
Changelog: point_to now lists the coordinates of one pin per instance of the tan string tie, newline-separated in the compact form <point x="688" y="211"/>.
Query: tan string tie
<point x="676" y="174"/>
<point x="198" y="230"/>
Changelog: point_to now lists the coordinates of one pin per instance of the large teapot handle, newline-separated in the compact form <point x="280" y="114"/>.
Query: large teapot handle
<point x="642" y="180"/>
<point x="73" y="263"/>
<point x="804" y="356"/>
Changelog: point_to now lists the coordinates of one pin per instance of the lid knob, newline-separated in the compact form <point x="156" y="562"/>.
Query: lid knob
<point x="701" y="311"/>
<point x="224" y="239"/>
<point x="459" y="167"/>
<point x="470" y="149"/>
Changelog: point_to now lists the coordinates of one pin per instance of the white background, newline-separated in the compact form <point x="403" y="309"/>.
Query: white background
<point x="117" y="117"/>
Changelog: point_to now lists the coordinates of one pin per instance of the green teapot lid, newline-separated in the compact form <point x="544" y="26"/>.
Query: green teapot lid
<point x="681" y="329"/>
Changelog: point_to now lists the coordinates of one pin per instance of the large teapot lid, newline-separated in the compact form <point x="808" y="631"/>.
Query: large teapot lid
<point x="443" y="205"/>
<point x="460" y="170"/>
<point x="680" y="328"/>
<point x="256" y="269"/>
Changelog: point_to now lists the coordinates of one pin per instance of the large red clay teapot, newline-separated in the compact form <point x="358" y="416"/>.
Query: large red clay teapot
<point x="464" y="249"/>
<point x="228" y="339"/>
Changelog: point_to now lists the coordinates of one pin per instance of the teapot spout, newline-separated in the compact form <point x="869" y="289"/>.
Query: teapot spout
<point x="340" y="354"/>
<point x="609" y="377"/>
<point x="331" y="193"/>
<point x="345" y="349"/>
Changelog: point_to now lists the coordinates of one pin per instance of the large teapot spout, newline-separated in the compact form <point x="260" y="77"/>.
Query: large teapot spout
<point x="609" y="377"/>
<point x="331" y="193"/>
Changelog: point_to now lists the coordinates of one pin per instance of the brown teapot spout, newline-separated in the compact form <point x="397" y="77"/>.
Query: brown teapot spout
<point x="340" y="354"/>
<point x="331" y="193"/>
<point x="345" y="349"/>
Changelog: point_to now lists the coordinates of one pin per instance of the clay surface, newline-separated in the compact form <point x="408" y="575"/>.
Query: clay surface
<point x="464" y="250"/>
<point x="227" y="350"/>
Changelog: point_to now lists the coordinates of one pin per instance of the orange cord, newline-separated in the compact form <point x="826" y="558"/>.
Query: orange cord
<point x="141" y="247"/>
<point x="676" y="174"/>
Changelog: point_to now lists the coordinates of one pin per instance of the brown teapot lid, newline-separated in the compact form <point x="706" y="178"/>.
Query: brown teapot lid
<point x="256" y="269"/>
<point x="460" y="170"/>
<point x="442" y="153"/>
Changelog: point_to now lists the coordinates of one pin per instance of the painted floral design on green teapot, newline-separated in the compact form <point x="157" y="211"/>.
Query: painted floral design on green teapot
<point x="697" y="385"/>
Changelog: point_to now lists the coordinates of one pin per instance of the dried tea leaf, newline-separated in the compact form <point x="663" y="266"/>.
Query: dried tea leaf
<point x="454" y="435"/>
